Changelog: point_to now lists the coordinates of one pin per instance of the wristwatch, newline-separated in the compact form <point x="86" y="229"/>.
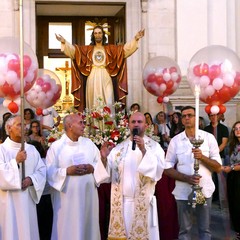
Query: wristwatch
<point x="232" y="167"/>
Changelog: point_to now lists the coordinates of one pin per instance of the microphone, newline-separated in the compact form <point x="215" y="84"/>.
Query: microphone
<point x="134" y="133"/>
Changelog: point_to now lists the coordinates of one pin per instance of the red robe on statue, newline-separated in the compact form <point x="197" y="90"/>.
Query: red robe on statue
<point x="82" y="66"/>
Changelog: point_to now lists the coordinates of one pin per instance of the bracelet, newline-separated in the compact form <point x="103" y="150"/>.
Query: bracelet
<point x="232" y="167"/>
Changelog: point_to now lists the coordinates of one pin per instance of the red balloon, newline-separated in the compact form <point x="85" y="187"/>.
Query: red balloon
<point x="56" y="96"/>
<point x="13" y="107"/>
<point x="222" y="109"/>
<point x="214" y="99"/>
<point x="160" y="99"/>
<point x="25" y="71"/>
<point x="14" y="65"/>
<point x="196" y="70"/>
<point x="46" y="87"/>
<point x="8" y="90"/>
<point x="168" y="91"/>
<point x="39" y="81"/>
<point x="225" y="94"/>
<point x="27" y="61"/>
<point x="28" y="86"/>
<point x="152" y="78"/>
<point x="169" y="84"/>
<point x="152" y="91"/>
<point x="234" y="89"/>
<point x="208" y="109"/>
<point x="204" y="69"/>
<point x="39" y="111"/>
<point x="179" y="79"/>
<point x="172" y="69"/>
<point x="214" y="71"/>
<point x="159" y="80"/>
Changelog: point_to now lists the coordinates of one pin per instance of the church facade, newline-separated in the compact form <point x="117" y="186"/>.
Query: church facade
<point x="175" y="29"/>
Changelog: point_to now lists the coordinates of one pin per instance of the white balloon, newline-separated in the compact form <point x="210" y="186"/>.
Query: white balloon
<point x="228" y="79"/>
<point x="30" y="95"/>
<point x="11" y="77"/>
<point x="10" y="57"/>
<point x="2" y="79"/>
<point x="214" y="109"/>
<point x="46" y="78"/>
<point x="45" y="112"/>
<point x="166" y="76"/>
<point x="6" y="102"/>
<point x="54" y="87"/>
<point x="226" y="66"/>
<point x="204" y="81"/>
<point x="3" y="65"/>
<point x="18" y="101"/>
<point x="217" y="83"/>
<point x="36" y="102"/>
<point x="166" y="99"/>
<point x="49" y="95"/>
<point x="162" y="87"/>
<point x="196" y="81"/>
<point x="29" y="77"/>
<point x="209" y="90"/>
<point x="41" y="96"/>
<point x="153" y="86"/>
<point x="17" y="86"/>
<point x="37" y="88"/>
<point x="174" y="76"/>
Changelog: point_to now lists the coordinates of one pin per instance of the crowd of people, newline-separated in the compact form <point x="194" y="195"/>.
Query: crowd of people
<point x="138" y="189"/>
<point x="60" y="186"/>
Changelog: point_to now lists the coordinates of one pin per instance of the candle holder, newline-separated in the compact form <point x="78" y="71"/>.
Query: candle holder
<point x="196" y="196"/>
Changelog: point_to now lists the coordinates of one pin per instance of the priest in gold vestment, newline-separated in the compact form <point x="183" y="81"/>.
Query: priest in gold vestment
<point x="133" y="174"/>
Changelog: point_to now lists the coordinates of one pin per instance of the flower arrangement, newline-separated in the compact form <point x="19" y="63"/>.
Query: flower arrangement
<point x="54" y="135"/>
<point x="102" y="125"/>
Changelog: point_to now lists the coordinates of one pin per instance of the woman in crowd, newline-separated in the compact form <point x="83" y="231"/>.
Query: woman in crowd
<point x="202" y="123"/>
<point x="28" y="117"/>
<point x="3" y="134"/>
<point x="34" y="133"/>
<point x="233" y="178"/>
<point x="150" y="123"/>
<point x="177" y="125"/>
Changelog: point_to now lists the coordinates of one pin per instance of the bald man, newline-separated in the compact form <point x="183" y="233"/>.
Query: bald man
<point x="70" y="166"/>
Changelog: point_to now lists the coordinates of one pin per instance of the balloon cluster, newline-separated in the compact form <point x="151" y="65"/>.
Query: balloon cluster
<point x="216" y="71"/>
<point x="10" y="71"/>
<point x="45" y="92"/>
<point x="161" y="77"/>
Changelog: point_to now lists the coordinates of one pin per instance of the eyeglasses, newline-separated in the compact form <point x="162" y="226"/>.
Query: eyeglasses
<point x="188" y="115"/>
<point x="236" y="129"/>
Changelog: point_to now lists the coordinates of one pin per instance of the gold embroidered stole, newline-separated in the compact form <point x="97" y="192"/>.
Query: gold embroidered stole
<point x="139" y="228"/>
